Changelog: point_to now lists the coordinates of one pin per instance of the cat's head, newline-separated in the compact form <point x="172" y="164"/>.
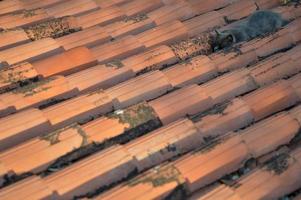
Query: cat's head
<point x="223" y="39"/>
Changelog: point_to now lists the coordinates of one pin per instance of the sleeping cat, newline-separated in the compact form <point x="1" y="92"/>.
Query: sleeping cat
<point x="259" y="23"/>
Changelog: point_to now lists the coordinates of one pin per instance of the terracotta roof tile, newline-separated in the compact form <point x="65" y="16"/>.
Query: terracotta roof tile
<point x="104" y="168"/>
<point x="256" y="136"/>
<point x="232" y="60"/>
<point x="36" y="154"/>
<point x="77" y="7"/>
<point x="164" y="143"/>
<point x="171" y="107"/>
<point x="165" y="34"/>
<point x="197" y="70"/>
<point x="99" y="76"/>
<point x="12" y="38"/>
<point x="23" y="18"/>
<point x="154" y="58"/>
<point x="105" y="128"/>
<point x="31" y="51"/>
<point x="276" y="67"/>
<point x="238" y="10"/>
<point x="203" y="22"/>
<point x="6" y="110"/>
<point x="11" y="6"/>
<point x="296" y="112"/>
<point x="30" y="188"/>
<point x="65" y="63"/>
<point x="267" y="4"/>
<point x="235" y="116"/>
<point x="271" y="99"/>
<point x="88" y="37"/>
<point x="129" y="26"/>
<point x="200" y="169"/>
<point x="229" y="86"/>
<point x="109" y="3"/>
<point x="33" y="4"/>
<point x="119" y="49"/>
<point x="9" y="77"/>
<point x="203" y="6"/>
<point x="22" y="126"/>
<point x="36" y="94"/>
<point x="140" y="7"/>
<point x="145" y="87"/>
<point x="101" y="17"/>
<point x="78" y="109"/>
<point x="296" y="84"/>
<point x="180" y="10"/>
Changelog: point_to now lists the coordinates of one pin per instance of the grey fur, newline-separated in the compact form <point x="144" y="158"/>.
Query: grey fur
<point x="258" y="24"/>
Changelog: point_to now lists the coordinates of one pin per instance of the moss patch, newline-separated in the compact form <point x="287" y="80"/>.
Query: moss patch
<point x="33" y="88"/>
<point x="278" y="164"/>
<point x="54" y="28"/>
<point x="135" y="115"/>
<point x="199" y="45"/>
<point x="115" y="64"/>
<point x="53" y="137"/>
<point x="136" y="19"/>
<point x="158" y="176"/>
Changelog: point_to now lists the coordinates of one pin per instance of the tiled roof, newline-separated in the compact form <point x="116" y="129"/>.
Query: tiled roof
<point x="124" y="99"/>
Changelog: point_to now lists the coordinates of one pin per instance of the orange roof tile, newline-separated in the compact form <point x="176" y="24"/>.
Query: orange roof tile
<point x="12" y="38"/>
<point x="31" y="51"/>
<point x="171" y="107"/>
<point x="136" y="7"/>
<point x="65" y="63"/>
<point x="22" y="126"/>
<point x="145" y="87"/>
<point x="77" y="7"/>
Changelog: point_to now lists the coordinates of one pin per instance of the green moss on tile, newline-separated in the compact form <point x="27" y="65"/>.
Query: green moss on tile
<point x="158" y="176"/>
<point x="136" y="19"/>
<point x="135" y="115"/>
<point x="115" y="64"/>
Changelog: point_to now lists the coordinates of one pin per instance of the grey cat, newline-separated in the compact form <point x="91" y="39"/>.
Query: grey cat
<point x="259" y="23"/>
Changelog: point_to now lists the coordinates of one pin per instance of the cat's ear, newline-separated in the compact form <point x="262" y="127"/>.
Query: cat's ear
<point x="231" y="38"/>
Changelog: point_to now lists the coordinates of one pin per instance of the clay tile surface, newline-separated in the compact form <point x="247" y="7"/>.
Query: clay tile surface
<point x="229" y="86"/>
<point x="234" y="116"/>
<point x="89" y="37"/>
<point x="100" y="77"/>
<point x="296" y="112"/>
<point x="204" y="22"/>
<point x="9" y="77"/>
<point x="104" y="168"/>
<point x="267" y="4"/>
<point x="117" y="50"/>
<point x="35" y="155"/>
<point x="109" y="3"/>
<point x="165" y="34"/>
<point x="203" y="6"/>
<point x="202" y="168"/>
<point x="145" y="87"/>
<point x="140" y="7"/>
<point x="78" y="109"/>
<point x="12" y="38"/>
<point x="275" y="68"/>
<point x="77" y="7"/>
<point x="152" y="59"/>
<point x="22" y="126"/>
<point x="23" y="18"/>
<point x="174" y="105"/>
<point x="271" y="99"/>
<point x="197" y="70"/>
<point x="295" y="82"/>
<point x="129" y="26"/>
<point x="267" y="135"/>
<point x="238" y="10"/>
<point x="101" y="17"/>
<point x="164" y="143"/>
<point x="30" y="51"/>
<point x="65" y="63"/>
<point x="39" y="93"/>
<point x="10" y="6"/>
<point x="33" y="4"/>
<point x="181" y="10"/>
<point x="30" y="188"/>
